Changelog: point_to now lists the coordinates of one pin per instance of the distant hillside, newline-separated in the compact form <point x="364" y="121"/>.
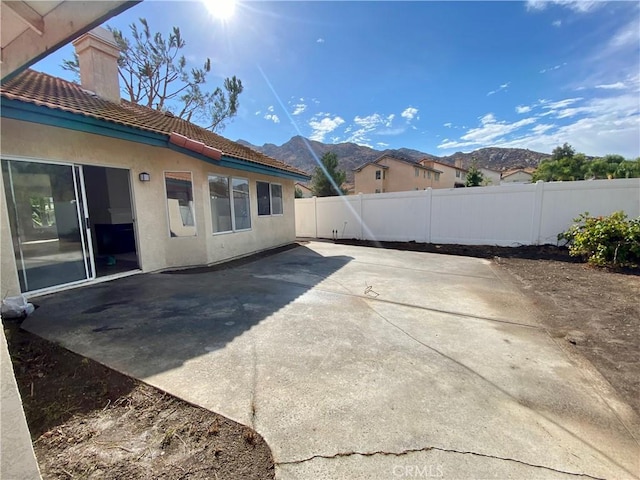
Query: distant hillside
<point x="295" y="152"/>
<point x="499" y="158"/>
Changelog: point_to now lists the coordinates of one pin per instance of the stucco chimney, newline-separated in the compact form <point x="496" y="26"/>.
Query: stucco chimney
<point x="98" y="57"/>
<point x="458" y="162"/>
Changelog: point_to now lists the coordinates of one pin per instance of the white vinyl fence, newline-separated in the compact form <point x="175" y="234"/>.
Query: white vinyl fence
<point x="506" y="215"/>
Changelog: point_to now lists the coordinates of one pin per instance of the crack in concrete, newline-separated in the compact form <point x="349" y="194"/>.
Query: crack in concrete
<point x="427" y="449"/>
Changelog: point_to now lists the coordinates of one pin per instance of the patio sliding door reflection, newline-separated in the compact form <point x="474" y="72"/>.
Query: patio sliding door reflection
<point x="46" y="228"/>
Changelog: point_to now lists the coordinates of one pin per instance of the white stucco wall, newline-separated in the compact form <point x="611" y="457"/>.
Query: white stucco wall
<point x="156" y="249"/>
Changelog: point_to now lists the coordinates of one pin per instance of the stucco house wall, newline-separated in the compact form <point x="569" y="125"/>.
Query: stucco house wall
<point x="448" y="178"/>
<point x="156" y="249"/>
<point x="399" y="176"/>
<point x="365" y="180"/>
<point x="519" y="176"/>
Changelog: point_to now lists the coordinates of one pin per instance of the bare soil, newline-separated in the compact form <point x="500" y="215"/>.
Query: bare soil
<point x="88" y="421"/>
<point x="595" y="311"/>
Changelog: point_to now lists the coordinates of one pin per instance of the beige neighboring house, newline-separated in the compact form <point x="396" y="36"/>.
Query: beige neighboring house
<point x="306" y="191"/>
<point x="491" y="177"/>
<point x="95" y="186"/>
<point x="452" y="176"/>
<point x="517" y="175"/>
<point x="392" y="174"/>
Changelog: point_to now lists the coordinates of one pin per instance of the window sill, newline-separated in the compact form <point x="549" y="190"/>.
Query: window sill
<point x="215" y="234"/>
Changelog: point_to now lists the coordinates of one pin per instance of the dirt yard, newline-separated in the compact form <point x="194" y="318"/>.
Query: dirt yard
<point x="595" y="311"/>
<point x="88" y="421"/>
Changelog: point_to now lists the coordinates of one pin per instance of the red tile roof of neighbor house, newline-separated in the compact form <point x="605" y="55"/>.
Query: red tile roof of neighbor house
<point x="48" y="91"/>
<point x="396" y="158"/>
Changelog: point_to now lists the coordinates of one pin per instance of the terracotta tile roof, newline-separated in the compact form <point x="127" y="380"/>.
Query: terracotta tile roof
<point x="528" y="170"/>
<point x="44" y="90"/>
<point x="396" y="158"/>
<point x="431" y="162"/>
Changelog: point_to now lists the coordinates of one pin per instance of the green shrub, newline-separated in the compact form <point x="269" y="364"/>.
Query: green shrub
<point x="605" y="241"/>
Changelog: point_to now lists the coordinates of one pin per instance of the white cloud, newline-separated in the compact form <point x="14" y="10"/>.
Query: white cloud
<point x="320" y="40"/>
<point x="320" y="127"/>
<point x="523" y="109"/>
<point x="554" y="106"/>
<point x="373" y="121"/>
<point x="273" y="117"/>
<point x="580" y="6"/>
<point x="502" y="87"/>
<point x="299" y="108"/>
<point x="627" y="35"/>
<point x="612" y="86"/>
<point x="375" y="124"/>
<point x="595" y="126"/>
<point x="382" y="144"/>
<point x="410" y="113"/>
<point x="489" y="131"/>
<point x="259" y="112"/>
<point x="557" y="23"/>
<point x="393" y="131"/>
<point x="270" y="108"/>
<point x="543" y="127"/>
<point x="551" y="69"/>
<point x="448" y="125"/>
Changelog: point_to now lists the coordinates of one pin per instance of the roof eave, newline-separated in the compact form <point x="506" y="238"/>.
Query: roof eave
<point x="29" y="112"/>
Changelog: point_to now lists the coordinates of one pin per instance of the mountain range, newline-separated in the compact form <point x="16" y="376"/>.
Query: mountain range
<point x="299" y="152"/>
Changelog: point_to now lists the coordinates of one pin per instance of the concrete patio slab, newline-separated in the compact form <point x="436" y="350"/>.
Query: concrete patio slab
<point x="355" y="362"/>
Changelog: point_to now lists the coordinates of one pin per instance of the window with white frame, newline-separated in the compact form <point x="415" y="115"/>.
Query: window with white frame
<point x="180" y="206"/>
<point x="228" y="215"/>
<point x="269" y="198"/>
<point x="437" y="176"/>
<point x="457" y="173"/>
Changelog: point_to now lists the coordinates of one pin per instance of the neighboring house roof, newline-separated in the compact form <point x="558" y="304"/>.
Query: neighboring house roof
<point x="490" y="169"/>
<point x="302" y="186"/>
<point x="429" y="160"/>
<point x="397" y="159"/>
<point x="45" y="90"/>
<point x="373" y="164"/>
<point x="527" y="171"/>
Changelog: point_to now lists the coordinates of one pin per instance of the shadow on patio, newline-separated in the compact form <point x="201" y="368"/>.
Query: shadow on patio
<point x="147" y="324"/>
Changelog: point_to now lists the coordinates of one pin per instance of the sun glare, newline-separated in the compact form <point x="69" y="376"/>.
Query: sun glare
<point x="221" y="9"/>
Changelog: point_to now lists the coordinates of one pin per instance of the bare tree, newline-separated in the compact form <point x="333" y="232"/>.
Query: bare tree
<point x="155" y="74"/>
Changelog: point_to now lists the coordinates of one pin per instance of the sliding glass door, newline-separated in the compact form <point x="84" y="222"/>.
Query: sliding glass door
<point x="48" y="223"/>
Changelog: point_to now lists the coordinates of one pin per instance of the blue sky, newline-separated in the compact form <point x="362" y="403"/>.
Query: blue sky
<point x="439" y="77"/>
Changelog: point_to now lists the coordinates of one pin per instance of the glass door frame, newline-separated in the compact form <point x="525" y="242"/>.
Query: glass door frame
<point x="82" y="215"/>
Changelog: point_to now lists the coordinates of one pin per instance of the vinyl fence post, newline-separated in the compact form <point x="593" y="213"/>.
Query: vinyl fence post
<point x="536" y="220"/>
<point x="360" y="216"/>
<point x="428" y="202"/>
<point x="315" y="215"/>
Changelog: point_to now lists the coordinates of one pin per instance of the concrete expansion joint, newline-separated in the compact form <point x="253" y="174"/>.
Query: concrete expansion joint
<point x="427" y="449"/>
